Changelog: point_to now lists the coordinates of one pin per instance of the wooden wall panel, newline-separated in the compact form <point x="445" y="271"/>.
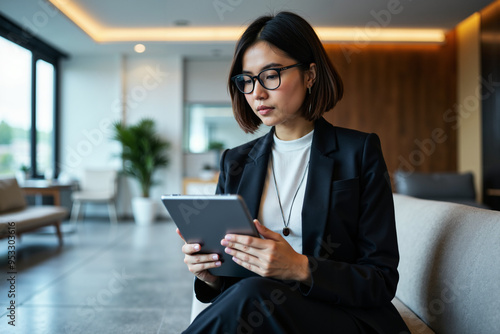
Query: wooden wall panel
<point x="490" y="72"/>
<point x="407" y="95"/>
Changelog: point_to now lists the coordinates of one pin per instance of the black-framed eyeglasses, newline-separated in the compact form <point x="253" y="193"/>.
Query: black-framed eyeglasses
<point x="269" y="78"/>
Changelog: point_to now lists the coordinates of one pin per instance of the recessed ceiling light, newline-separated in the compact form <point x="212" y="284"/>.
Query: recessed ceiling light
<point x="139" y="48"/>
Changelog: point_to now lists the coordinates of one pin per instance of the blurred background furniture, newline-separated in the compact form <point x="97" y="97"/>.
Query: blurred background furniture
<point x="446" y="186"/>
<point x="39" y="188"/>
<point x="16" y="217"/>
<point x="97" y="186"/>
<point x="197" y="186"/>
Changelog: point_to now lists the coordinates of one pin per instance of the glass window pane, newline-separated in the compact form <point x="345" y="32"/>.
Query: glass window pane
<point x="15" y="107"/>
<point x="214" y="127"/>
<point x="45" y="117"/>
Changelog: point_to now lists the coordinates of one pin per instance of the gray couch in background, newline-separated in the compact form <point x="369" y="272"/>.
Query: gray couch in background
<point x="449" y="268"/>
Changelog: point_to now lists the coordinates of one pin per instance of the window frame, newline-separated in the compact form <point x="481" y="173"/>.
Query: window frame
<point x="40" y="50"/>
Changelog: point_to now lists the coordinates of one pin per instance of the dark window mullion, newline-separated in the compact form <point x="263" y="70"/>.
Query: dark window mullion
<point x="56" y="129"/>
<point x="33" y="136"/>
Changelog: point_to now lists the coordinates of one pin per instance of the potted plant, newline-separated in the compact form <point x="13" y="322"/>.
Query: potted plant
<point x="143" y="152"/>
<point x="24" y="173"/>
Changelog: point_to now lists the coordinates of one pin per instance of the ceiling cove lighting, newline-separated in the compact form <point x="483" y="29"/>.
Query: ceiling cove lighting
<point x="366" y="34"/>
<point x="102" y="34"/>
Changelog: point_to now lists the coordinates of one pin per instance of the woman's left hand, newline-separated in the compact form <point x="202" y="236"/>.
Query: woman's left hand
<point x="269" y="257"/>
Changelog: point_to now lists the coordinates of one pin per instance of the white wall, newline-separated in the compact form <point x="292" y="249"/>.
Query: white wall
<point x="206" y="80"/>
<point x="91" y="91"/>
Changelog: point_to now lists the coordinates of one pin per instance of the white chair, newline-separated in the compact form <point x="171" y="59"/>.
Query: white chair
<point x="97" y="186"/>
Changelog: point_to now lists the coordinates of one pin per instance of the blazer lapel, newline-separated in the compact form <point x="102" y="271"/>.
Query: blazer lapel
<point x="318" y="190"/>
<point x="254" y="173"/>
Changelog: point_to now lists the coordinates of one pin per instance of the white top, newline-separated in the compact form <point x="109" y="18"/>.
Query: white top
<point x="290" y="159"/>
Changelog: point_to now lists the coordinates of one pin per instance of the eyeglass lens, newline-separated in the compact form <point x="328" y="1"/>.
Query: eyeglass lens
<point x="269" y="79"/>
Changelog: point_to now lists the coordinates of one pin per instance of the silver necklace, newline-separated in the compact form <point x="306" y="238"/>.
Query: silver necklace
<point x="286" y="229"/>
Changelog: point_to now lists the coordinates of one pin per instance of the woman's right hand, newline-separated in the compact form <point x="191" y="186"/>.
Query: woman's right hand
<point x="199" y="264"/>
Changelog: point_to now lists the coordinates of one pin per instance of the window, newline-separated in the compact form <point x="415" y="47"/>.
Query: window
<point x="28" y="102"/>
<point x="15" y="106"/>
<point x="45" y="106"/>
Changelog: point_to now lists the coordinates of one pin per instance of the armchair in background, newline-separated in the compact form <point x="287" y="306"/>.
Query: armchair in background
<point x="97" y="186"/>
<point x="445" y="186"/>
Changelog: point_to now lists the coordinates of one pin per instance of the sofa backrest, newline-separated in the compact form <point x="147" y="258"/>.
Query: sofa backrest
<point x="450" y="264"/>
<point x="11" y="195"/>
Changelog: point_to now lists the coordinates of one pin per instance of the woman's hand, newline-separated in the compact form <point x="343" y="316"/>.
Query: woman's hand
<point x="199" y="264"/>
<point x="269" y="257"/>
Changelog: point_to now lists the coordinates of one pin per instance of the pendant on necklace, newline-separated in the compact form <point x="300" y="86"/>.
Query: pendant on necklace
<point x="286" y="231"/>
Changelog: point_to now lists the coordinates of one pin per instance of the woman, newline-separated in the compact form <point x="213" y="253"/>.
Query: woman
<point x="327" y="260"/>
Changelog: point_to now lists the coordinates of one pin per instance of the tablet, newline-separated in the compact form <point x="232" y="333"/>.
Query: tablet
<point x="206" y="219"/>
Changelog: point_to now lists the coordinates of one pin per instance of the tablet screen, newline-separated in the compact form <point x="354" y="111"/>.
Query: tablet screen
<point x="206" y="219"/>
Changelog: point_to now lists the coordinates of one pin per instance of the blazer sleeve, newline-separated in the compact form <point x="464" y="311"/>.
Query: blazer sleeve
<point x="370" y="279"/>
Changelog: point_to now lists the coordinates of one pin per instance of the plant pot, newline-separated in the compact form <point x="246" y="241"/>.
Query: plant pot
<point x="21" y="176"/>
<point x="144" y="210"/>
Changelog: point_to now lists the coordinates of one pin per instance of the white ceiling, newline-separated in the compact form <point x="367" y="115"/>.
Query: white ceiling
<point x="40" y="17"/>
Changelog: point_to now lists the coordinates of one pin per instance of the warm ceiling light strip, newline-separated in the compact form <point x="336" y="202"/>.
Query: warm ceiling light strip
<point x="230" y="34"/>
<point x="362" y="35"/>
<point x="177" y="34"/>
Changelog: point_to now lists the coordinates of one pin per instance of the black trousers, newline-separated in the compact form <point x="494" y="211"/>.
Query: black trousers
<point x="262" y="305"/>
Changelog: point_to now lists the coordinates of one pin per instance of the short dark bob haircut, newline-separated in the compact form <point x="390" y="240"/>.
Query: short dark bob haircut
<point x="297" y="39"/>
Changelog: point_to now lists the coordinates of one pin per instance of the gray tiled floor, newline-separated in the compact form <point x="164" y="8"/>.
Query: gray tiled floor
<point x="128" y="279"/>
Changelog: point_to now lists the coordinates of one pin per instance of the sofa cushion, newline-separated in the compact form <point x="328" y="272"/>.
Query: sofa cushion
<point x="11" y="195"/>
<point x="32" y="217"/>
<point x="449" y="268"/>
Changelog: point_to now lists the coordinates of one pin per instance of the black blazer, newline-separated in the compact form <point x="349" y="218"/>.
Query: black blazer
<point x="348" y="224"/>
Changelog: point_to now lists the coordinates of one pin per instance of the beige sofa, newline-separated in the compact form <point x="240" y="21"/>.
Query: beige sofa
<point x="449" y="268"/>
<point x="17" y="216"/>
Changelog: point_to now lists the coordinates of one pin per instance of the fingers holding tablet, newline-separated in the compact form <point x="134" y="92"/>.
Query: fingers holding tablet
<point x="199" y="264"/>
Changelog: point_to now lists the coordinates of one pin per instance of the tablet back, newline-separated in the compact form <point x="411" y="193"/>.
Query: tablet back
<point x="206" y="219"/>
